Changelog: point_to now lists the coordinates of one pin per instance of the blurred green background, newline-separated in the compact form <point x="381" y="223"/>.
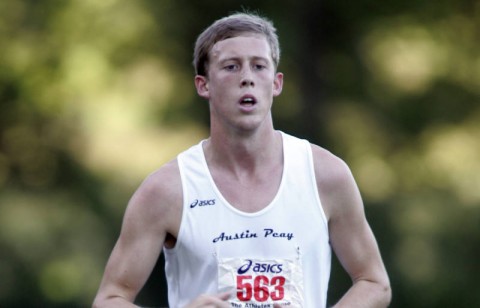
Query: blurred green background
<point x="95" y="95"/>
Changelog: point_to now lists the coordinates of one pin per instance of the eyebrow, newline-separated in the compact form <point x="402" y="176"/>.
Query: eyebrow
<point x="238" y="59"/>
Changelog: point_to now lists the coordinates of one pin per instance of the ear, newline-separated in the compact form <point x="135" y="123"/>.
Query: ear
<point x="277" y="84"/>
<point x="201" y="83"/>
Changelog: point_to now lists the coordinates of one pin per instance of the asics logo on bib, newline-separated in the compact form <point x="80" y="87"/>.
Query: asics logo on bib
<point x="197" y="202"/>
<point x="274" y="268"/>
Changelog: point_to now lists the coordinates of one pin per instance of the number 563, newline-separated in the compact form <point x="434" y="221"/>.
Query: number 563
<point x="258" y="287"/>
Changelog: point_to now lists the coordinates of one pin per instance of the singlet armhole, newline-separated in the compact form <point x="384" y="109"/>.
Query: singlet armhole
<point x="179" y="238"/>
<point x="315" y="185"/>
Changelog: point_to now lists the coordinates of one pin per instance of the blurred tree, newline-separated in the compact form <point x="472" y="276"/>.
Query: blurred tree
<point x="94" y="95"/>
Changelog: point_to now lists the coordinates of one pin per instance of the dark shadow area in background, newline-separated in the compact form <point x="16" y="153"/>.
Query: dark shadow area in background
<point x="154" y="293"/>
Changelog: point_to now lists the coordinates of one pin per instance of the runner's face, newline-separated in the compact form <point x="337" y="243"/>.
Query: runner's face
<point x="241" y="82"/>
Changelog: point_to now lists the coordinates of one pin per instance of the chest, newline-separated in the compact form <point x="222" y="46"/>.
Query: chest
<point x="286" y="228"/>
<point x="251" y="193"/>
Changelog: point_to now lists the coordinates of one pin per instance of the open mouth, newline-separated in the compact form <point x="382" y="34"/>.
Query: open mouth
<point x="248" y="101"/>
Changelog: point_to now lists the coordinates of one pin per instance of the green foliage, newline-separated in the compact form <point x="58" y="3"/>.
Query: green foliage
<point x="94" y="95"/>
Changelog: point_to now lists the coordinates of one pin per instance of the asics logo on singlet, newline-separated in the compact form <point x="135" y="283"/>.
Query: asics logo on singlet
<point x="274" y="268"/>
<point x="197" y="202"/>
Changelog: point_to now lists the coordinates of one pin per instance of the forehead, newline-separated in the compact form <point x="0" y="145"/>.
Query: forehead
<point x="247" y="45"/>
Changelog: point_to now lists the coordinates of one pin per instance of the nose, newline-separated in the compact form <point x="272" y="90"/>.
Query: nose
<point x="247" y="80"/>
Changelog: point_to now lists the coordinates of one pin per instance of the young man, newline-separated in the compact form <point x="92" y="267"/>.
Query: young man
<point x="248" y="217"/>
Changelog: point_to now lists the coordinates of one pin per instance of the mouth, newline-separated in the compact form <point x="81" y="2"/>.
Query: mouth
<point x="248" y="101"/>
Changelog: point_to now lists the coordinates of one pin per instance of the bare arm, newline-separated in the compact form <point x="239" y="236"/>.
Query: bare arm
<point x="153" y="212"/>
<point x="350" y="235"/>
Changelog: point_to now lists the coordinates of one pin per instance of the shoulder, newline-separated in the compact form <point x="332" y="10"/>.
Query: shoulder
<point x="335" y="182"/>
<point x="330" y="170"/>
<point x="159" y="198"/>
<point x="164" y="182"/>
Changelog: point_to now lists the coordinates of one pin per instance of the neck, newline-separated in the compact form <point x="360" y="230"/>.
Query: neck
<point x="244" y="153"/>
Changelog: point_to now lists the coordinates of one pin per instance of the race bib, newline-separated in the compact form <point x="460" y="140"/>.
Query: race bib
<point x="258" y="283"/>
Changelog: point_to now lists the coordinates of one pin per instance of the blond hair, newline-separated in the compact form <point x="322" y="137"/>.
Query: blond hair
<point x="232" y="26"/>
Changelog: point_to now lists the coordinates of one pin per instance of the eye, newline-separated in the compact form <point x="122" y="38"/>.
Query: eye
<point x="259" y="67"/>
<point x="230" y="67"/>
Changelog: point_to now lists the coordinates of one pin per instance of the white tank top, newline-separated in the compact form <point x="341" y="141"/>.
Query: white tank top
<point x="279" y="254"/>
